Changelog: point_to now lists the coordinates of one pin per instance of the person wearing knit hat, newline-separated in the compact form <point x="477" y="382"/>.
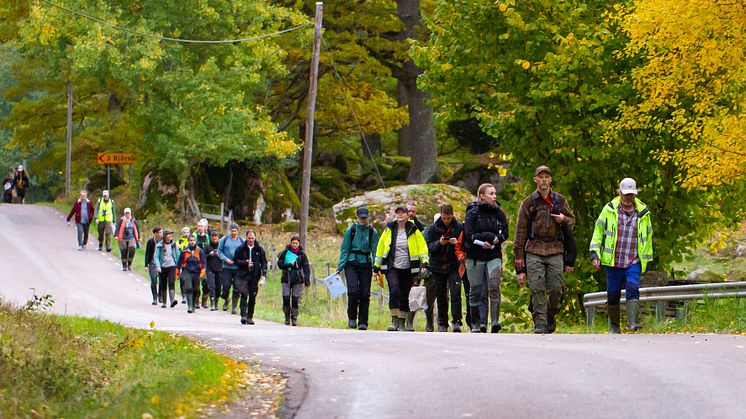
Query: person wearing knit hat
<point x="128" y="235"/>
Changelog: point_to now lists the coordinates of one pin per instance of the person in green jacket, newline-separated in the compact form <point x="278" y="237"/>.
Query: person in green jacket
<point x="623" y="244"/>
<point x="356" y="259"/>
<point x="402" y="255"/>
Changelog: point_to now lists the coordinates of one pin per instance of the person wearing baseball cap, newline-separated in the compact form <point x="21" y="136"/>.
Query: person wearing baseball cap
<point x="623" y="244"/>
<point x="544" y="248"/>
<point x="356" y="259"/>
<point x="20" y="184"/>
<point x="105" y="220"/>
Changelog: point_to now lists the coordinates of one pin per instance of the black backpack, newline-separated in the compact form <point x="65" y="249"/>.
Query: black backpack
<point x="370" y="240"/>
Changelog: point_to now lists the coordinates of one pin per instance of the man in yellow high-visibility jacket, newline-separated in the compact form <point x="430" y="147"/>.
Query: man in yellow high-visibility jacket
<point x="105" y="220"/>
<point x="623" y="243"/>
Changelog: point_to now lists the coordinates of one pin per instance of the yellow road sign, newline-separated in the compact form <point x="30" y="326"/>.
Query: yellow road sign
<point x="116" y="158"/>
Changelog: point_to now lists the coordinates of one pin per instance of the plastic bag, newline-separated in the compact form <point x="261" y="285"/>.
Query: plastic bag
<point x="418" y="298"/>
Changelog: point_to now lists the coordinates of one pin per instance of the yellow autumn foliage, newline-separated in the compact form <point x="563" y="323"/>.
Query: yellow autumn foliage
<point x="692" y="83"/>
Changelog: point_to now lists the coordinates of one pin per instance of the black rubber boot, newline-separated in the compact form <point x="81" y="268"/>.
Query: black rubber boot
<point x="551" y="321"/>
<point x="614" y="315"/>
<point x="190" y="303"/>
<point x="475" y="319"/>
<point x="286" y="310"/>
<point x="409" y="325"/>
<point x="633" y="315"/>
<point x="235" y="303"/>
<point x="429" y="322"/>
<point x="213" y="304"/>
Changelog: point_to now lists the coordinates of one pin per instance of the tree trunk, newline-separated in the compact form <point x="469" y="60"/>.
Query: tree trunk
<point x="374" y="143"/>
<point x="420" y="134"/>
<point x="404" y="145"/>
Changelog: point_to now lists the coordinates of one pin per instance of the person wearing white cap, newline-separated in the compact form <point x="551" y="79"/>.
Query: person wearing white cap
<point x="129" y="238"/>
<point x="623" y="244"/>
<point x="20" y="184"/>
<point x="105" y="220"/>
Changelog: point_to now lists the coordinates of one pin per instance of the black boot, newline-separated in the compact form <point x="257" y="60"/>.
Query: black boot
<point x="124" y="265"/>
<point x="213" y="304"/>
<point x="235" y="303"/>
<point x="190" y="303"/>
<point x="204" y="300"/>
<point x="614" y="315"/>
<point x="551" y="321"/>
<point x="352" y="306"/>
<point x="394" y="324"/>
<point x="286" y="310"/>
<point x="362" y="318"/>
<point x="129" y="265"/>
<point x="475" y="319"/>
<point x="429" y="321"/>
<point x="294" y="311"/>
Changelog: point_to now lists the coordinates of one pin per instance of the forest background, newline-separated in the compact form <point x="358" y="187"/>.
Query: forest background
<point x="459" y="92"/>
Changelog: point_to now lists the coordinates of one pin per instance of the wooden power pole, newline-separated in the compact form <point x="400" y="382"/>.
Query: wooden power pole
<point x="68" y="159"/>
<point x="308" y="146"/>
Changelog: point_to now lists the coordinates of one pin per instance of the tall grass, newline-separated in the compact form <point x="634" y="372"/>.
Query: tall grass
<point x="78" y="367"/>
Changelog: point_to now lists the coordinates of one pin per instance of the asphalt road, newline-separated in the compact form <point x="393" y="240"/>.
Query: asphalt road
<point x="351" y="374"/>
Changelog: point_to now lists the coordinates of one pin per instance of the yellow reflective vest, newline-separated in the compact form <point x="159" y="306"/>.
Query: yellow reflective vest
<point x="418" y="254"/>
<point x="105" y="210"/>
<point x="603" y="243"/>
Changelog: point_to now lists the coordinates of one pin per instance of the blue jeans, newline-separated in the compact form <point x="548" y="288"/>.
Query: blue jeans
<point x="630" y="277"/>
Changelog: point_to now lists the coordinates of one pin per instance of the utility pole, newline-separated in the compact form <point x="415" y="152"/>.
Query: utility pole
<point x="68" y="159"/>
<point x="308" y="146"/>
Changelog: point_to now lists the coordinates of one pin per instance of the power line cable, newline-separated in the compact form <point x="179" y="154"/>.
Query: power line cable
<point x="166" y="38"/>
<point x="352" y="110"/>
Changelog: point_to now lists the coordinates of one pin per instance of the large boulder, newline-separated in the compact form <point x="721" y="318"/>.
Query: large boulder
<point x="380" y="203"/>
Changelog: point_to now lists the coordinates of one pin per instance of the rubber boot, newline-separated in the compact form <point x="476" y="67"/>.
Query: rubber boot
<point x="494" y="316"/>
<point x="429" y="322"/>
<point x="614" y="314"/>
<point x="394" y="324"/>
<point x="213" y="304"/>
<point x="409" y="325"/>
<point x="124" y="265"/>
<point x="633" y="315"/>
<point x="204" y="300"/>
<point x="235" y="303"/>
<point x="402" y="322"/>
<point x="475" y="319"/>
<point x="286" y="310"/>
<point x="190" y="303"/>
<point x="172" y="297"/>
<point x="551" y="321"/>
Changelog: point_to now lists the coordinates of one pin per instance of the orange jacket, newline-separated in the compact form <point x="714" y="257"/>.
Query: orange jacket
<point x="192" y="259"/>
<point x="120" y="229"/>
<point x="461" y="254"/>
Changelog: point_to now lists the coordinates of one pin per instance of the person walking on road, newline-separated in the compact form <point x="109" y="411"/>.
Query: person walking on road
<point x="441" y="238"/>
<point x="356" y="259"/>
<point x="83" y="211"/>
<point x="166" y="256"/>
<point x="191" y="269"/>
<point x="20" y="185"/>
<point x="296" y="272"/>
<point x="105" y="220"/>
<point x="402" y="255"/>
<point x="623" y="244"/>
<point x="251" y="260"/>
<point x="202" y="235"/>
<point x="183" y="242"/>
<point x="128" y="236"/>
<point x="485" y="229"/>
<point x="214" y="270"/>
<point x="8" y="188"/>
<point x="150" y="265"/>
<point x="226" y="251"/>
<point x="544" y="223"/>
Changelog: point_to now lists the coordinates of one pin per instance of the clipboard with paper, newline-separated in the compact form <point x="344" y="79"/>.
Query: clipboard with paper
<point x="335" y="285"/>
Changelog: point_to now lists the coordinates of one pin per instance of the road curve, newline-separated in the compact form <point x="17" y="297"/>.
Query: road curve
<point x="355" y="374"/>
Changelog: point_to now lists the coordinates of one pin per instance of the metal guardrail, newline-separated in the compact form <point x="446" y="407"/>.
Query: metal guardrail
<point x="663" y="295"/>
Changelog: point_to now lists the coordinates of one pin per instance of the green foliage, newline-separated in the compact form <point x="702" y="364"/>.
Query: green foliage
<point x="546" y="79"/>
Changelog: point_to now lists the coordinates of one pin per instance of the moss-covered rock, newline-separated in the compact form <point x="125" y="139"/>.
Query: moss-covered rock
<point x="380" y="202"/>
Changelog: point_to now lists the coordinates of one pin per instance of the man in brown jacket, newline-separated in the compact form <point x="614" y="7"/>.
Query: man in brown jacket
<point x="539" y="248"/>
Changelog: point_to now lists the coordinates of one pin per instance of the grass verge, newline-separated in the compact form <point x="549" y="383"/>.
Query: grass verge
<point x="76" y="367"/>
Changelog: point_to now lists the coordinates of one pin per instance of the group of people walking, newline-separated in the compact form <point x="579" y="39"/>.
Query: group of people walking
<point x="450" y="254"/>
<point x="446" y="256"/>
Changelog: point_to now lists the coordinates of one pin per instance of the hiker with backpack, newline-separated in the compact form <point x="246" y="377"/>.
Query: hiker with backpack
<point x="485" y="229"/>
<point x="441" y="239"/>
<point x="543" y="228"/>
<point x="356" y="259"/>
<point x="402" y="255"/>
<point x="166" y="256"/>
<point x="150" y="265"/>
<point x="128" y="235"/>
<point x="296" y="272"/>
<point x="190" y="268"/>
<point x="251" y="260"/>
<point x="214" y="270"/>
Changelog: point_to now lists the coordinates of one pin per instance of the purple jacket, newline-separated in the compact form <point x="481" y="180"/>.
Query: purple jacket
<point x="76" y="210"/>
